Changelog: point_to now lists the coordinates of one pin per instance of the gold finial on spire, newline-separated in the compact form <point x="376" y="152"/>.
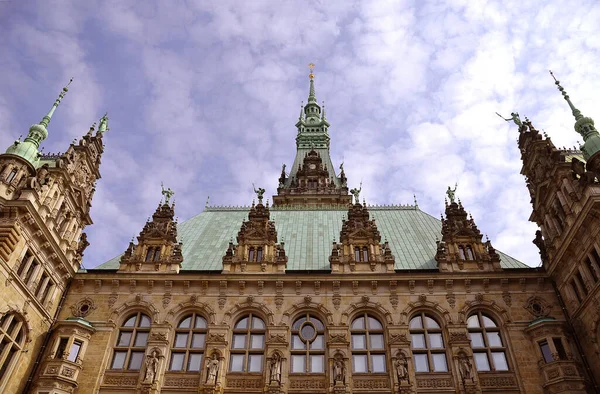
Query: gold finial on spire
<point x="311" y="66"/>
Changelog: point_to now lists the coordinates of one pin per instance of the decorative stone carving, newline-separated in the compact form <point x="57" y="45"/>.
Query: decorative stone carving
<point x="401" y="368"/>
<point x="275" y="368"/>
<point x="538" y="307"/>
<point x="83" y="307"/>
<point x="465" y="368"/>
<point x="339" y="369"/>
<point x="151" y="367"/>
<point x="212" y="368"/>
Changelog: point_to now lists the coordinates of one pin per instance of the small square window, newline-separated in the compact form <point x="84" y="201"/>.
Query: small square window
<point x="317" y="363"/>
<point x="176" y="362"/>
<point x="359" y="363"/>
<point x="439" y="362"/>
<point x="135" y="360"/>
<point x="481" y="361"/>
<point x="418" y="341"/>
<point x="359" y="341"/>
<point x="256" y="363"/>
<point x="421" y="363"/>
<point x="298" y="363"/>
<point x="476" y="339"/>
<point x="118" y="360"/>
<point x="237" y="363"/>
<point x="500" y="363"/>
<point x="378" y="363"/>
<point x="194" y="361"/>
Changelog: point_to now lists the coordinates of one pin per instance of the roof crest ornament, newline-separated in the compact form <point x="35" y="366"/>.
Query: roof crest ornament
<point x="452" y="193"/>
<point x="168" y="193"/>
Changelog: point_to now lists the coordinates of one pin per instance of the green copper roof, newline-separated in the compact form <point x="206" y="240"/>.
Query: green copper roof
<point x="308" y="235"/>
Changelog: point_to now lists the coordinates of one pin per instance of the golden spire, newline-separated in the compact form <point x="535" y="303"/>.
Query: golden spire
<point x="311" y="66"/>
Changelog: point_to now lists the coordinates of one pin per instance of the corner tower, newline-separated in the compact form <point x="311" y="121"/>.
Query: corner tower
<point x="312" y="180"/>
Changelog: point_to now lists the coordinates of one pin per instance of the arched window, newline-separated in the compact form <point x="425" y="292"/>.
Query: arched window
<point x="308" y="345"/>
<point x="427" y="343"/>
<point x="251" y="254"/>
<point x="131" y="342"/>
<point x="188" y="344"/>
<point x="365" y="254"/>
<point x="461" y="253"/>
<point x="149" y="254"/>
<point x="156" y="253"/>
<point x="12" y="337"/>
<point x="248" y="345"/>
<point x="356" y="253"/>
<point x="489" y="350"/>
<point x="368" y="349"/>
<point x="259" y="254"/>
<point x="11" y="175"/>
<point x="469" y="252"/>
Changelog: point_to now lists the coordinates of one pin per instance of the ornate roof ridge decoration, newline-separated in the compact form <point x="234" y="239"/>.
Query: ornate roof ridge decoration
<point x="257" y="249"/>
<point x="158" y="249"/>
<point x="461" y="247"/>
<point x="301" y="207"/>
<point x="360" y="248"/>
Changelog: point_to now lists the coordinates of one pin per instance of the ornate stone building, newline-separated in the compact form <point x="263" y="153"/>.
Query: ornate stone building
<point x="316" y="293"/>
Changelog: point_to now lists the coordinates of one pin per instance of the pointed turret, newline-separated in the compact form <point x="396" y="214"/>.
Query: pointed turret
<point x="312" y="179"/>
<point x="28" y="149"/>
<point x="585" y="127"/>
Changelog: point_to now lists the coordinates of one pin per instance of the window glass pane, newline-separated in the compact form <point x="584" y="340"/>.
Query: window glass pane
<point x="198" y="340"/>
<point x="298" y="323"/>
<point x="237" y="363"/>
<point x="418" y="341"/>
<point x="135" y="360"/>
<point x="436" y="341"/>
<point x="317" y="363"/>
<point x="430" y="323"/>
<point x="558" y="345"/>
<point x="239" y="342"/>
<point x="546" y="352"/>
<point x="297" y="342"/>
<point x="200" y="322"/>
<point x="194" y="361"/>
<point x="376" y="341"/>
<point x="298" y="363"/>
<point x="74" y="351"/>
<point x="257" y="341"/>
<point x="416" y="322"/>
<point x="374" y="324"/>
<point x="378" y="363"/>
<point x="257" y="324"/>
<point x="473" y="321"/>
<point x="185" y="323"/>
<point x="359" y="363"/>
<point x="318" y="325"/>
<point x="421" y="364"/>
<point x="62" y="346"/>
<point x="318" y="343"/>
<point x="118" y="360"/>
<point x="358" y="324"/>
<point x="124" y="339"/>
<point x="500" y="363"/>
<point x="439" y="362"/>
<point x="359" y="341"/>
<point x="481" y="361"/>
<point x="181" y="340"/>
<point x="487" y="322"/>
<point x="494" y="339"/>
<point x="476" y="339"/>
<point x="140" y="339"/>
<point x="176" y="362"/>
<point x="307" y="331"/>
<point x="145" y="321"/>
<point x="242" y="323"/>
<point x="256" y="362"/>
<point x="130" y="322"/>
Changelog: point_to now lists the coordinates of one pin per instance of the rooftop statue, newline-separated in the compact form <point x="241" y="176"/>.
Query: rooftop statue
<point x="259" y="193"/>
<point x="356" y="193"/>
<point x="514" y="116"/>
<point x="452" y="193"/>
<point x="168" y="193"/>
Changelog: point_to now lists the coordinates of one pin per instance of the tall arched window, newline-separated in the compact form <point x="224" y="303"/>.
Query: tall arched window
<point x="489" y="350"/>
<point x="461" y="252"/>
<point x="427" y="344"/>
<point x="248" y="345"/>
<point x="308" y="345"/>
<point x="131" y="342"/>
<point x="11" y="176"/>
<point x="188" y="344"/>
<point x="12" y="337"/>
<point x="251" y="254"/>
<point x="368" y="349"/>
<point x="469" y="253"/>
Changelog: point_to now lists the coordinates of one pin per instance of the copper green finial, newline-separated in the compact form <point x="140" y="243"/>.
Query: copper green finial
<point x="312" y="97"/>
<point x="28" y="149"/>
<point x="583" y="125"/>
<point x="103" y="124"/>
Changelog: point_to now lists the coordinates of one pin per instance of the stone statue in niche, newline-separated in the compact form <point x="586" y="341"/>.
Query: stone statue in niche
<point x="212" y="368"/>
<point x="339" y="371"/>
<point x="275" y="369"/>
<point x="465" y="367"/>
<point x="151" y="367"/>
<point x="401" y="366"/>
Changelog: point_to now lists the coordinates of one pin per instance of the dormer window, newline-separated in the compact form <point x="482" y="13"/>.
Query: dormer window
<point x="461" y="253"/>
<point x="156" y="254"/>
<point x="469" y="253"/>
<point x="251" y="254"/>
<point x="356" y="253"/>
<point x="149" y="254"/>
<point x="11" y="176"/>
<point x="365" y="254"/>
<point x="259" y="255"/>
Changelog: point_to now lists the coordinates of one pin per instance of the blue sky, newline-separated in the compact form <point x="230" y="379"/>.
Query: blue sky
<point x="204" y="96"/>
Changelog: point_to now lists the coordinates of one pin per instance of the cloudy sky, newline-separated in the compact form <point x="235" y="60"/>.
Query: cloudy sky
<point x="204" y="95"/>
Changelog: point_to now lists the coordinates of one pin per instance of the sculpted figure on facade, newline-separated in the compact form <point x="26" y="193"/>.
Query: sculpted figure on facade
<point x="151" y="367"/>
<point x="339" y="370"/>
<point x="465" y="367"/>
<point x="212" y="369"/>
<point x="275" y="369"/>
<point x="401" y="366"/>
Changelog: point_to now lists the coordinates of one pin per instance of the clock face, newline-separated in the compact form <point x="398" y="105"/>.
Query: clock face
<point x="312" y="166"/>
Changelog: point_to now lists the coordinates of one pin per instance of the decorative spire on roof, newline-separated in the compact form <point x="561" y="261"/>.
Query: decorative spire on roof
<point x="312" y="97"/>
<point x="28" y="149"/>
<point x="583" y="125"/>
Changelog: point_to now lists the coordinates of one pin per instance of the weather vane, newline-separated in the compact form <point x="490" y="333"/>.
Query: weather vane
<point x="311" y="66"/>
